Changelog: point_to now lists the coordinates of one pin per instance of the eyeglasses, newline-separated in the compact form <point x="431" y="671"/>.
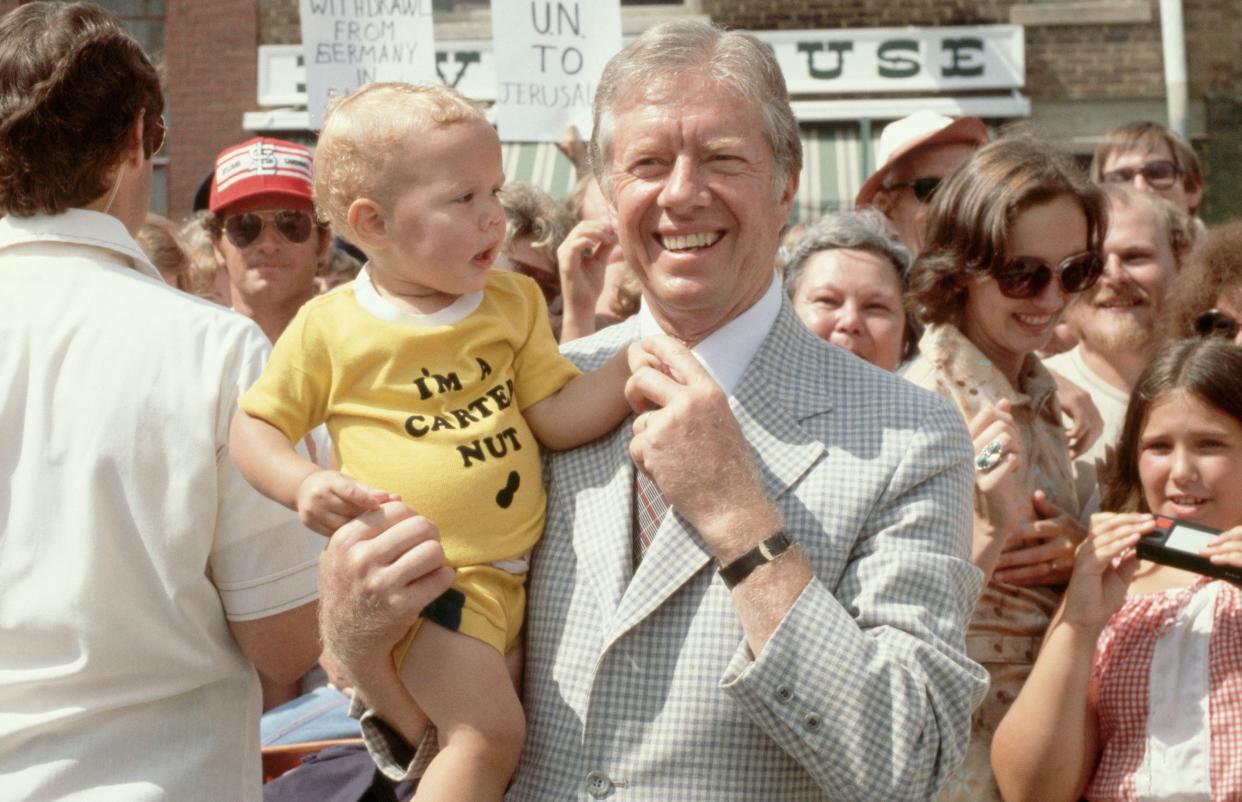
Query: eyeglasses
<point x="1215" y="323"/>
<point x="243" y="229"/>
<point x="155" y="137"/>
<point x="1026" y="276"/>
<point x="921" y="187"/>
<point x="1159" y="174"/>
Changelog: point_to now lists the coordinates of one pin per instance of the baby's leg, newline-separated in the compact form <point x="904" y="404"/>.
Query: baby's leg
<point x="464" y="687"/>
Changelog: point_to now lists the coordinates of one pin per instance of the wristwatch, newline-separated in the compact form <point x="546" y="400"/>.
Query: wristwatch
<point x="764" y="552"/>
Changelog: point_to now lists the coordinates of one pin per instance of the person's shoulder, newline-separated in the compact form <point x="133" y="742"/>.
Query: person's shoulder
<point x="589" y="353"/>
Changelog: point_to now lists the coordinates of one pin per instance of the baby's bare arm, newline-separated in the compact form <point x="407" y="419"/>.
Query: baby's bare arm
<point x="325" y="500"/>
<point x="267" y="459"/>
<point x="587" y="408"/>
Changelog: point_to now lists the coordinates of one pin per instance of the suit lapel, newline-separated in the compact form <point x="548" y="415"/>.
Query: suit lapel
<point x="768" y="405"/>
<point x="604" y="515"/>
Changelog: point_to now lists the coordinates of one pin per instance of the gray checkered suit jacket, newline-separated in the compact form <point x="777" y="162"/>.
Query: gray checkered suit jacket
<point x="640" y="686"/>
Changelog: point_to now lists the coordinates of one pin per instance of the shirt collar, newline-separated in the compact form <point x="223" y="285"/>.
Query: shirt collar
<point x="727" y="351"/>
<point x="947" y="347"/>
<point x="78" y="227"/>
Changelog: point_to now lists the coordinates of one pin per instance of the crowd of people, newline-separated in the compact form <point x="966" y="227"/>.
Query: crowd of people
<point x="639" y="495"/>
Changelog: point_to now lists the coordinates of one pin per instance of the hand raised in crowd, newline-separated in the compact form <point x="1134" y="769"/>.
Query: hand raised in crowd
<point x="574" y="149"/>
<point x="1103" y="567"/>
<point x="327" y="500"/>
<point x="688" y="441"/>
<point x="582" y="259"/>
<point x="999" y="495"/>
<point x="1049" y="559"/>
<point x="1087" y="424"/>
<point x="1225" y="548"/>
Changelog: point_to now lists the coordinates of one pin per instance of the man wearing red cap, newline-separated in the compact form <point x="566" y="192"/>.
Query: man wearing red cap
<point x="263" y="229"/>
<point x="915" y="154"/>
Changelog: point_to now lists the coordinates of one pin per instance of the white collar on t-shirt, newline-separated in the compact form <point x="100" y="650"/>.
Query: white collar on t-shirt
<point x="378" y="305"/>
<point x="726" y="352"/>
<point x="78" y="227"/>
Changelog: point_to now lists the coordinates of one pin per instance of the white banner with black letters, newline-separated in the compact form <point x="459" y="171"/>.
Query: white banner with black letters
<point x="549" y="56"/>
<point x="348" y="43"/>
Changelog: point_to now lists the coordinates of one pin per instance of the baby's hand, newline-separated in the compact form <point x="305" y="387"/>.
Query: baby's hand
<point x="327" y="500"/>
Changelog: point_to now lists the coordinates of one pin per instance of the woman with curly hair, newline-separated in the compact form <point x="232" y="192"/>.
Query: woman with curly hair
<point x="1012" y="236"/>
<point x="1206" y="296"/>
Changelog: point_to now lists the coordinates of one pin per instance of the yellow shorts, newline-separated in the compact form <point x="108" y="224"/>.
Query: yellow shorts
<point x="484" y="602"/>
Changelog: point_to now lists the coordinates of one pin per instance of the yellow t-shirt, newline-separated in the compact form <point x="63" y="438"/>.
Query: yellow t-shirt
<point x="427" y="406"/>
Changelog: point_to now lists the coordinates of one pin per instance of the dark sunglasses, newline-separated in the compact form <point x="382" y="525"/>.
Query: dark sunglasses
<point x="154" y="138"/>
<point x="1026" y="276"/>
<point x="244" y="229"/>
<point x="1159" y="174"/>
<point x="1215" y="323"/>
<point x="921" y="187"/>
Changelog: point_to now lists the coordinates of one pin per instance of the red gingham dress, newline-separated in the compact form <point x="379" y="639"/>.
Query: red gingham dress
<point x="1122" y="672"/>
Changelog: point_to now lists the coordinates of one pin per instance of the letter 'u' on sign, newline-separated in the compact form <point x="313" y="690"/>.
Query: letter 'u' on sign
<point x="348" y="43"/>
<point x="549" y="56"/>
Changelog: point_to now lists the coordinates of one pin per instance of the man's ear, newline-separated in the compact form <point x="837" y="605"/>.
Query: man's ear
<point x="789" y="192"/>
<point x="1193" y="196"/>
<point x="134" y="156"/>
<point x="367" y="221"/>
<point x="325" y="240"/>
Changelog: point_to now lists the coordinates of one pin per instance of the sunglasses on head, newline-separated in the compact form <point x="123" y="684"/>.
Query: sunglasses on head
<point x="244" y="229"/>
<point x="1215" y="323"/>
<point x="921" y="187"/>
<point x="1027" y="276"/>
<point x="1159" y="174"/>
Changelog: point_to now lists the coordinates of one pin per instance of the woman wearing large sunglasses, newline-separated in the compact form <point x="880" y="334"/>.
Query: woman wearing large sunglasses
<point x="1206" y="297"/>
<point x="1012" y="236"/>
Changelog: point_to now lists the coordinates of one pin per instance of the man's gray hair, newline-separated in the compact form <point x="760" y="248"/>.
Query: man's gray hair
<point x="862" y="230"/>
<point x="668" y="52"/>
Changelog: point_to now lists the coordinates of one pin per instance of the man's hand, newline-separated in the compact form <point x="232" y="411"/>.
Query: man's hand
<point x="687" y="440"/>
<point x="376" y="575"/>
<point x="1077" y="405"/>
<point x="327" y="500"/>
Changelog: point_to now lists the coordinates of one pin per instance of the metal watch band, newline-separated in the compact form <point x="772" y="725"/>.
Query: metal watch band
<point x="765" y="551"/>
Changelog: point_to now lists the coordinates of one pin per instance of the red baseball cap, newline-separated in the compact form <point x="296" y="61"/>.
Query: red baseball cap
<point x="259" y="168"/>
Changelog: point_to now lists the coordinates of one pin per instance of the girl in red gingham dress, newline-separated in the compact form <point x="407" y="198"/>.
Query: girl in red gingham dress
<point x="1137" y="690"/>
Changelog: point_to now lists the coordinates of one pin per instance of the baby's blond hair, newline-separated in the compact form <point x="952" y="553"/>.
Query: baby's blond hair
<point x="360" y="153"/>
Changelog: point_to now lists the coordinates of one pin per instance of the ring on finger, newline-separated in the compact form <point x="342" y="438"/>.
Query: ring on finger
<point x="990" y="456"/>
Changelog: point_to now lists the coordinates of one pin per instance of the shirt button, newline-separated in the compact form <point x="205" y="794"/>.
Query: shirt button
<point x="598" y="785"/>
<point x="811" y="722"/>
<point x="783" y="693"/>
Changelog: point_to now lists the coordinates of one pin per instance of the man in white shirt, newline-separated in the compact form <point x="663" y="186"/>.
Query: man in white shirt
<point x="142" y="580"/>
<point x="1115" y="321"/>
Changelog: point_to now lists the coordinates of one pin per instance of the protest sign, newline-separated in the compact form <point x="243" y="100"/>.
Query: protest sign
<point x="348" y="43"/>
<point x="549" y="56"/>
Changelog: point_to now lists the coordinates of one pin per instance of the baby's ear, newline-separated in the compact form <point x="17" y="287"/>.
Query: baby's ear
<point x="368" y="223"/>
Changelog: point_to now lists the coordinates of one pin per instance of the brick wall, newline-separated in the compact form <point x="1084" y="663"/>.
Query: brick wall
<point x="212" y="74"/>
<point x="279" y="22"/>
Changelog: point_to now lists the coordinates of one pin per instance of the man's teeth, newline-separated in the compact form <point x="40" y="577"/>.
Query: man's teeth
<point x="689" y="241"/>
<point x="1188" y="501"/>
<point x="1035" y="320"/>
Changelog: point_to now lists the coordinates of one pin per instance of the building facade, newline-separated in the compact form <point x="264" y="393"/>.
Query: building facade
<point x="1088" y="65"/>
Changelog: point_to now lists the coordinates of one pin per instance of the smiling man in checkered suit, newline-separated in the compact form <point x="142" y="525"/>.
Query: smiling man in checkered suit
<point x="758" y="589"/>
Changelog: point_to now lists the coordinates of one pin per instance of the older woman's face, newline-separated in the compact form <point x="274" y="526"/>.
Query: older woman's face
<point x="1005" y="329"/>
<point x="852" y="298"/>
